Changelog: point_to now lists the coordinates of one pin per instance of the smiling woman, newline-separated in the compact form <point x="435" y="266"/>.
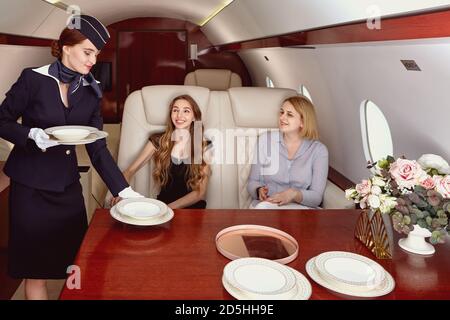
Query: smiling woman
<point x="290" y="168"/>
<point x="47" y="211"/>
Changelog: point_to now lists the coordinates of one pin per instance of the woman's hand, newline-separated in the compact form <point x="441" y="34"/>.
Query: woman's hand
<point x="262" y="193"/>
<point x="114" y="201"/>
<point x="285" y="197"/>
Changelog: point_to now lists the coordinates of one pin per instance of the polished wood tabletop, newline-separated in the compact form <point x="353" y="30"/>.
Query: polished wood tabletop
<point x="179" y="259"/>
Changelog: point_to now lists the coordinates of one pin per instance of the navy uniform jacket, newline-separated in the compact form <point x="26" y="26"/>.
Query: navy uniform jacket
<point x="36" y="98"/>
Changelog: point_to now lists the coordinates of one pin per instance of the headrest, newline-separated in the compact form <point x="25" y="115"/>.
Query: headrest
<point x="157" y="99"/>
<point x="214" y="79"/>
<point x="257" y="107"/>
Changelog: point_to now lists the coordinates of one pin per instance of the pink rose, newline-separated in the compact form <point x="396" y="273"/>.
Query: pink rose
<point x="406" y="173"/>
<point x="364" y="187"/>
<point x="428" y="183"/>
<point x="443" y="185"/>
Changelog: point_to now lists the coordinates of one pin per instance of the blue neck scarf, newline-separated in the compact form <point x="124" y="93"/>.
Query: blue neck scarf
<point x="75" y="79"/>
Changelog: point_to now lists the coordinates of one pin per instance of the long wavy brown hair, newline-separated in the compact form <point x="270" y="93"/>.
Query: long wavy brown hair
<point x="195" y="172"/>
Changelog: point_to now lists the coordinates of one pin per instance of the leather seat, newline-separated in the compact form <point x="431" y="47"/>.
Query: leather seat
<point x="232" y="119"/>
<point x="214" y="79"/>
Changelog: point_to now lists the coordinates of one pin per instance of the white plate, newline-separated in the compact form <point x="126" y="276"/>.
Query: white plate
<point x="149" y="222"/>
<point x="384" y="288"/>
<point x="302" y="289"/>
<point x="259" y="276"/>
<point x="70" y="134"/>
<point x="141" y="208"/>
<point x="349" y="269"/>
<point x="51" y="129"/>
<point x="92" y="137"/>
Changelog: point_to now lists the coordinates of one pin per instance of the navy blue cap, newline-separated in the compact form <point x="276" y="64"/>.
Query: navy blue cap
<point x="91" y="28"/>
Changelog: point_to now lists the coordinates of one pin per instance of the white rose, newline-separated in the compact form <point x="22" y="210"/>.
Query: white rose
<point x="387" y="203"/>
<point x="432" y="161"/>
<point x="350" y="193"/>
<point x="374" y="201"/>
<point x="376" y="190"/>
<point x="378" y="181"/>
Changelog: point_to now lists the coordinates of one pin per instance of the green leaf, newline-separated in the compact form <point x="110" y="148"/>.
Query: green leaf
<point x="422" y="223"/>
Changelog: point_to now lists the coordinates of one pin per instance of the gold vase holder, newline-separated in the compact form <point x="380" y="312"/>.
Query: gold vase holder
<point x="371" y="231"/>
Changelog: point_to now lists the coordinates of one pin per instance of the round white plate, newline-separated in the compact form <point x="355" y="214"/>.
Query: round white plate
<point x="149" y="222"/>
<point x="92" y="137"/>
<point x="51" y="129"/>
<point x="141" y="208"/>
<point x="350" y="269"/>
<point x="259" y="276"/>
<point x="303" y="289"/>
<point x="384" y="288"/>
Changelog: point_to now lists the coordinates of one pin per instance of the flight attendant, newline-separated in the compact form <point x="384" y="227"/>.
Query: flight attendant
<point x="47" y="212"/>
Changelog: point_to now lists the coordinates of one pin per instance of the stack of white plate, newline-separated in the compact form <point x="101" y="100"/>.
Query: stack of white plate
<point x="350" y="274"/>
<point x="142" y="211"/>
<point x="263" y="279"/>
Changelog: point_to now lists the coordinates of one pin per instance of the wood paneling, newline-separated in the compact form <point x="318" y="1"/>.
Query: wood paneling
<point x="418" y="26"/>
<point x="148" y="58"/>
<point x="179" y="259"/>
<point x="24" y="41"/>
<point x="111" y="109"/>
<point x="339" y="179"/>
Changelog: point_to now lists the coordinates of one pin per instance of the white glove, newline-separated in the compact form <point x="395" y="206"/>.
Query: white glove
<point x="129" y="193"/>
<point x="41" y="139"/>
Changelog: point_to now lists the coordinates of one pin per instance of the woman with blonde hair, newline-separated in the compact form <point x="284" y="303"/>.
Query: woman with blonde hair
<point x="178" y="153"/>
<point x="290" y="168"/>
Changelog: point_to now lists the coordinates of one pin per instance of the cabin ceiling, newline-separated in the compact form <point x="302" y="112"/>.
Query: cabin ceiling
<point x="241" y="20"/>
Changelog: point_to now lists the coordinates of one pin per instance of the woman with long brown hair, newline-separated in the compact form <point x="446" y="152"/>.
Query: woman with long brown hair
<point x="47" y="213"/>
<point x="178" y="153"/>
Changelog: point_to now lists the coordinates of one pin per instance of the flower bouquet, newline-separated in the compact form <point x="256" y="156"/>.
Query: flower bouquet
<point x="414" y="193"/>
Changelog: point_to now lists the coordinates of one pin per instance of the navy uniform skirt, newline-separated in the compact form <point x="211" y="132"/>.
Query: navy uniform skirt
<point x="45" y="232"/>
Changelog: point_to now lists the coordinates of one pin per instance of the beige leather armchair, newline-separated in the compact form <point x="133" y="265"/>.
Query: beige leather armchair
<point x="213" y="79"/>
<point x="232" y="119"/>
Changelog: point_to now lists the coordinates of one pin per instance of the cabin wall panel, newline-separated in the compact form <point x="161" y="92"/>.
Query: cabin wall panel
<point x="13" y="59"/>
<point x="252" y="19"/>
<point x="288" y="68"/>
<point x="22" y="17"/>
<point x="416" y="104"/>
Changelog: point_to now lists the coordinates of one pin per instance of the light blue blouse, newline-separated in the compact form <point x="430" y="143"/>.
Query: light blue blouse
<point x="306" y="172"/>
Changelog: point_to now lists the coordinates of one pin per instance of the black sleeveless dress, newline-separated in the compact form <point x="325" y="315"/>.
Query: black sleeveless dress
<point x="177" y="186"/>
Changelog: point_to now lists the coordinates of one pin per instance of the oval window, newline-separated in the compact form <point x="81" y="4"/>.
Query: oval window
<point x="269" y="83"/>
<point x="376" y="135"/>
<point x="304" y="92"/>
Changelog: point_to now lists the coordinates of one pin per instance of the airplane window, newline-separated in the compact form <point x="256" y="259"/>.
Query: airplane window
<point x="376" y="135"/>
<point x="269" y="83"/>
<point x="304" y="92"/>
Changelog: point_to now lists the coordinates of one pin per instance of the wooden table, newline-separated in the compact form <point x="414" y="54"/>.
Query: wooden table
<point x="179" y="260"/>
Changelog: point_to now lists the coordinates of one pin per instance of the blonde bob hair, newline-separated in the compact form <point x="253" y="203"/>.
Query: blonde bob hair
<point x="305" y="108"/>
